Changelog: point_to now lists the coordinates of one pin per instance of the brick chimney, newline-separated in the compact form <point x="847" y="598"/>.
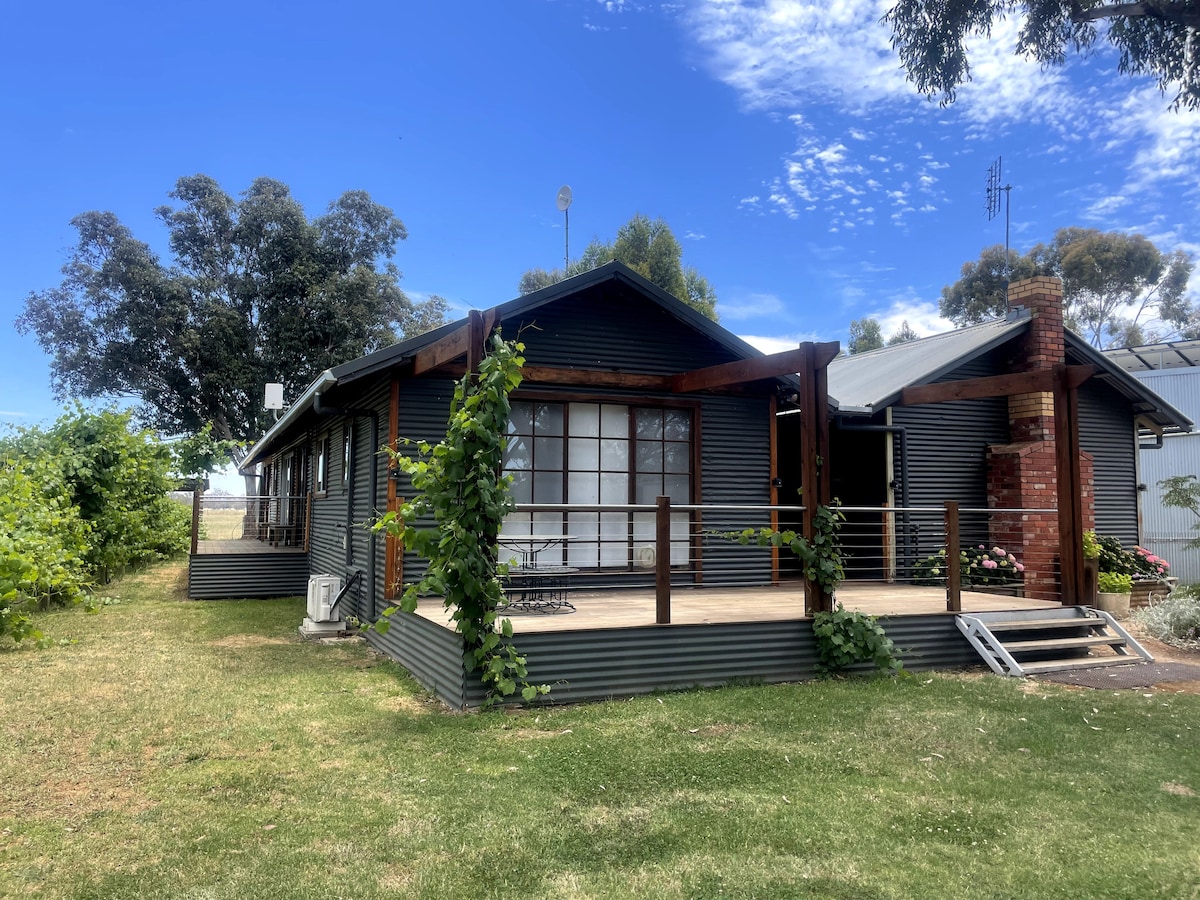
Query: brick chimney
<point x="1022" y="474"/>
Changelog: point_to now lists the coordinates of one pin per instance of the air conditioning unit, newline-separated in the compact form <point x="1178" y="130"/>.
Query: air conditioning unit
<point x="322" y="591"/>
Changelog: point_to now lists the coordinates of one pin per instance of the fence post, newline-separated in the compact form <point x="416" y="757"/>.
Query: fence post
<point x="662" y="561"/>
<point x="197" y="496"/>
<point x="953" y="569"/>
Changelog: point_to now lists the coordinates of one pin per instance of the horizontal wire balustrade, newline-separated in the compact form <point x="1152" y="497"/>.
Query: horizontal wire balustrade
<point x="243" y="524"/>
<point x="558" y="549"/>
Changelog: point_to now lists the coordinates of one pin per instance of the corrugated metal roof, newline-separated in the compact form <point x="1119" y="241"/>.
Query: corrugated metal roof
<point x="1153" y="357"/>
<point x="868" y="382"/>
<point x="398" y="353"/>
<point x="873" y="380"/>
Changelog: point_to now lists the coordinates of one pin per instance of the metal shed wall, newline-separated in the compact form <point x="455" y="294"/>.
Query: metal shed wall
<point x="1167" y="530"/>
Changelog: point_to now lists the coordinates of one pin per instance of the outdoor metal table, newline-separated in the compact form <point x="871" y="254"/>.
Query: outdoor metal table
<point x="534" y="587"/>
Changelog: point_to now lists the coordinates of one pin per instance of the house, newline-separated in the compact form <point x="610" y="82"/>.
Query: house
<point x="644" y="435"/>
<point x="1172" y="370"/>
<point x="998" y="451"/>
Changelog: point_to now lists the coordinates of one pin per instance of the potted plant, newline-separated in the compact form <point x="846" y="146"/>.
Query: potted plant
<point x="1149" y="572"/>
<point x="1091" y="567"/>
<point x="1113" y="597"/>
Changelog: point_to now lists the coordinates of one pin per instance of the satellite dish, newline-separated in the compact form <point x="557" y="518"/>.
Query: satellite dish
<point x="563" y="200"/>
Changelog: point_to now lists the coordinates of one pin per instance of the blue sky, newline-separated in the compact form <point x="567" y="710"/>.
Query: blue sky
<point x="779" y="140"/>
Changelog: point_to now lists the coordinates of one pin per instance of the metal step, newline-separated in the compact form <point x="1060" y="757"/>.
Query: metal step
<point x="1074" y="643"/>
<point x="1034" y="624"/>
<point x="1104" y="631"/>
<point x="1091" y="662"/>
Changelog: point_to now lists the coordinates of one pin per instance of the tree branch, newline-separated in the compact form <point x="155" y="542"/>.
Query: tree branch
<point x="1185" y="13"/>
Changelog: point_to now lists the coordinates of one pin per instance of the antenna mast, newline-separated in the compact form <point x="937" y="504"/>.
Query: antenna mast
<point x="993" y="208"/>
<point x="563" y="201"/>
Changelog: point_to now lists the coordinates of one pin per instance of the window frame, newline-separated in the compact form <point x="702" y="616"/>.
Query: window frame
<point x="692" y="407"/>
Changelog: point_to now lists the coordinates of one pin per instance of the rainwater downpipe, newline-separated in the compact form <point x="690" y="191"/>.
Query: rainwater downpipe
<point x="321" y="409"/>
<point x="902" y="431"/>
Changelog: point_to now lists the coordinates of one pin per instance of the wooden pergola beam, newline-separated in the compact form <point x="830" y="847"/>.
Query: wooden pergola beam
<point x="595" y="378"/>
<point x="789" y="362"/>
<point x="1038" y="381"/>
<point x="466" y="340"/>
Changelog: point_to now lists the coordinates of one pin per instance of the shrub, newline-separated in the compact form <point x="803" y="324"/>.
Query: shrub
<point x="1114" y="583"/>
<point x="845" y="638"/>
<point x="1138" y="562"/>
<point x="1175" y="620"/>
<point x="978" y="566"/>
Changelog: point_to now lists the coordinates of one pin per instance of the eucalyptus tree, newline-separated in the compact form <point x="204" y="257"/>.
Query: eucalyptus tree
<point x="1158" y="38"/>
<point x="255" y="292"/>
<point x="1119" y="289"/>
<point x="648" y="247"/>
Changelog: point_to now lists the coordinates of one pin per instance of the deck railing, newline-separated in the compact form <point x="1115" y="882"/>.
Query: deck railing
<point x="557" y="549"/>
<point x="223" y="523"/>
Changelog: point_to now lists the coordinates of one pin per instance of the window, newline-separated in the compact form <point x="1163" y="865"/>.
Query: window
<point x="322" y="465"/>
<point x="597" y="454"/>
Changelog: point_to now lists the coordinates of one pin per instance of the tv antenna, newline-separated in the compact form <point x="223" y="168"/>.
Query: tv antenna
<point x="563" y="201"/>
<point x="993" y="206"/>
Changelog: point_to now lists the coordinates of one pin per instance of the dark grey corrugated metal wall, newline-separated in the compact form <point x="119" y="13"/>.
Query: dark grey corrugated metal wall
<point x="218" y="576"/>
<point x="1106" y="430"/>
<point x="947" y="442"/>
<point x="616" y="662"/>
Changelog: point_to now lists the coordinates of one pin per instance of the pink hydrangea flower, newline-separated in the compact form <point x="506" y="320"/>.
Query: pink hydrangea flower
<point x="989" y="564"/>
<point x="1020" y="567"/>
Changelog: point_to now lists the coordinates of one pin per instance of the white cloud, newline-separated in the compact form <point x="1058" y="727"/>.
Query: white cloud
<point x="777" y="343"/>
<point x="690" y="235"/>
<point x="750" y="305"/>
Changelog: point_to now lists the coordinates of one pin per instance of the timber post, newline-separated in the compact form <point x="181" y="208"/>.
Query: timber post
<point x="953" y="551"/>
<point x="662" y="561"/>
<point x="814" y="451"/>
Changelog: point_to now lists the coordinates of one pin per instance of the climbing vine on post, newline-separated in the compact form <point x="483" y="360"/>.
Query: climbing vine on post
<point x="463" y="489"/>
<point x="821" y="557"/>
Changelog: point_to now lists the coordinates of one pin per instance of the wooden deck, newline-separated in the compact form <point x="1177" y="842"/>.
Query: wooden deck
<point x="711" y="606"/>
<point x="242" y="546"/>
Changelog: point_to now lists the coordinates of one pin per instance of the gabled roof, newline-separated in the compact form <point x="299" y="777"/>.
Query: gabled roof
<point x="871" y="381"/>
<point x="404" y="351"/>
<point x="865" y="383"/>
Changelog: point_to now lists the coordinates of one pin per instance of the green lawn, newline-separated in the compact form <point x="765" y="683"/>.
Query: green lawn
<point x="200" y="749"/>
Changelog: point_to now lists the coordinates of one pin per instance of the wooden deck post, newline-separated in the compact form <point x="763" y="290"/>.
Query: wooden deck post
<point x="953" y="549"/>
<point x="1070" y="490"/>
<point x="197" y="496"/>
<point x="662" y="561"/>
<point x="814" y="450"/>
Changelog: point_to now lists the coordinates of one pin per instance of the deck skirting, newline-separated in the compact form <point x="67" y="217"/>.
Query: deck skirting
<point x="598" y="664"/>
<point x="213" y="576"/>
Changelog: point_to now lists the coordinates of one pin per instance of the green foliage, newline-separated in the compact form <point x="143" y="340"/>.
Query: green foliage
<point x="1156" y="39"/>
<point x="650" y="249"/>
<point x="1175" y="620"/>
<point x="115" y="479"/>
<point x="1118" y="289"/>
<point x="978" y="566"/>
<point x="845" y="638"/>
<point x="256" y="292"/>
<point x="1114" y="583"/>
<point x="462" y="487"/>
<point x="821" y="558"/>
<point x="1091" y="546"/>
<point x="43" y="544"/>
<point x="201" y="453"/>
<point x="865" y="335"/>
<point x="1183" y="492"/>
